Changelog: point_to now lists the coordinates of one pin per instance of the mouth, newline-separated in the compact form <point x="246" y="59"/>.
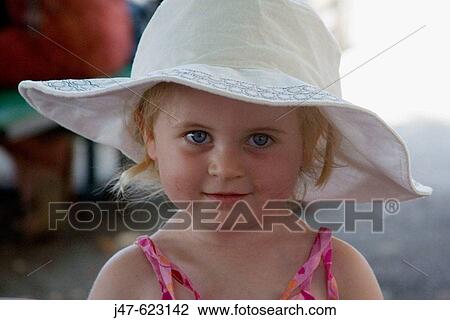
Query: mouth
<point x="226" y="197"/>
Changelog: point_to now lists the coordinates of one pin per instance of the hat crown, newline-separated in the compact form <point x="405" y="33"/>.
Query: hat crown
<point x="284" y="35"/>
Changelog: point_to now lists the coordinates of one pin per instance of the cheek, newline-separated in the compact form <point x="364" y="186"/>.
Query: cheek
<point x="276" y="181"/>
<point x="177" y="187"/>
<point x="179" y="176"/>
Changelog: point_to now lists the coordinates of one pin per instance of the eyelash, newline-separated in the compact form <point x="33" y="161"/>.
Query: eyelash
<point x="256" y="134"/>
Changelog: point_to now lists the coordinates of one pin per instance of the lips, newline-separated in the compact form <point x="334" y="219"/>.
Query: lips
<point x="226" y="197"/>
<point x="226" y="194"/>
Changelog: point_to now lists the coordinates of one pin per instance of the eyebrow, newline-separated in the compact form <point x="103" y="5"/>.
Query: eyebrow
<point x="190" y="124"/>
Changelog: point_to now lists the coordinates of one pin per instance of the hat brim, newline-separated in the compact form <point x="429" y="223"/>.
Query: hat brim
<point x="377" y="161"/>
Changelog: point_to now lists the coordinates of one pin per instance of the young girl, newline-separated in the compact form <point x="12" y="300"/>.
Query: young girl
<point x="236" y="102"/>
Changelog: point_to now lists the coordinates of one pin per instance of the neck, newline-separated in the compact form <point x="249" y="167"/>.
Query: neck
<point x="224" y="236"/>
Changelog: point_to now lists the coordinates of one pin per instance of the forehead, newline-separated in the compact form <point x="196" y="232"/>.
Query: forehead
<point x="188" y="104"/>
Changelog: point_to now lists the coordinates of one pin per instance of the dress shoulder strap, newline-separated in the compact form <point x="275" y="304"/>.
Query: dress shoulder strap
<point x="301" y="283"/>
<point x="165" y="270"/>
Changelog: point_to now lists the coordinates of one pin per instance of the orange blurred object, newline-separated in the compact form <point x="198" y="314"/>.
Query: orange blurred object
<point x="53" y="39"/>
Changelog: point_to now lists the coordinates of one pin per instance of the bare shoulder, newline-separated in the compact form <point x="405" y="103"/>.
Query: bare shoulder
<point x="354" y="276"/>
<point x="127" y="275"/>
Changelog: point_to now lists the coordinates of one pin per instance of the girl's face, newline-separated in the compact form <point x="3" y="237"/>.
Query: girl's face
<point x="214" y="144"/>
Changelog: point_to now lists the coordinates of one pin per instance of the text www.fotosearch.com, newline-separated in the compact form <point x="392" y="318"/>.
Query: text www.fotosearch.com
<point x="243" y="310"/>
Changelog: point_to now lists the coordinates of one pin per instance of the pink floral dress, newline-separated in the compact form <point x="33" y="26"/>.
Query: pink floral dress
<point x="298" y="287"/>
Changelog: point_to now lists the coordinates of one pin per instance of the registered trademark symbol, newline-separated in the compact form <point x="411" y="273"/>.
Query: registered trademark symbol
<point x="392" y="206"/>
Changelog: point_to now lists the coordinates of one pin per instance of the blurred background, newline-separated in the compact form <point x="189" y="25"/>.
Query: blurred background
<point x="394" y="62"/>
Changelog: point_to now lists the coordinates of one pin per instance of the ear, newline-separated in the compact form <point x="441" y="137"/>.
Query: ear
<point x="150" y="144"/>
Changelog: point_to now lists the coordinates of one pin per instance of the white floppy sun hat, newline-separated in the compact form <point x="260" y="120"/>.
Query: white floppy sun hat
<point x="276" y="53"/>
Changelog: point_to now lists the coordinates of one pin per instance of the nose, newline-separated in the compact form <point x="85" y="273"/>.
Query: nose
<point x="226" y="163"/>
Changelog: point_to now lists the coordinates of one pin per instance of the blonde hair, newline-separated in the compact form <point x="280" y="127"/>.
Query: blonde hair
<point x="321" y="140"/>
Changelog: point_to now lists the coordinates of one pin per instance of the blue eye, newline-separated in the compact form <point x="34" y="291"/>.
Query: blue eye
<point x="260" y="139"/>
<point x="197" y="136"/>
